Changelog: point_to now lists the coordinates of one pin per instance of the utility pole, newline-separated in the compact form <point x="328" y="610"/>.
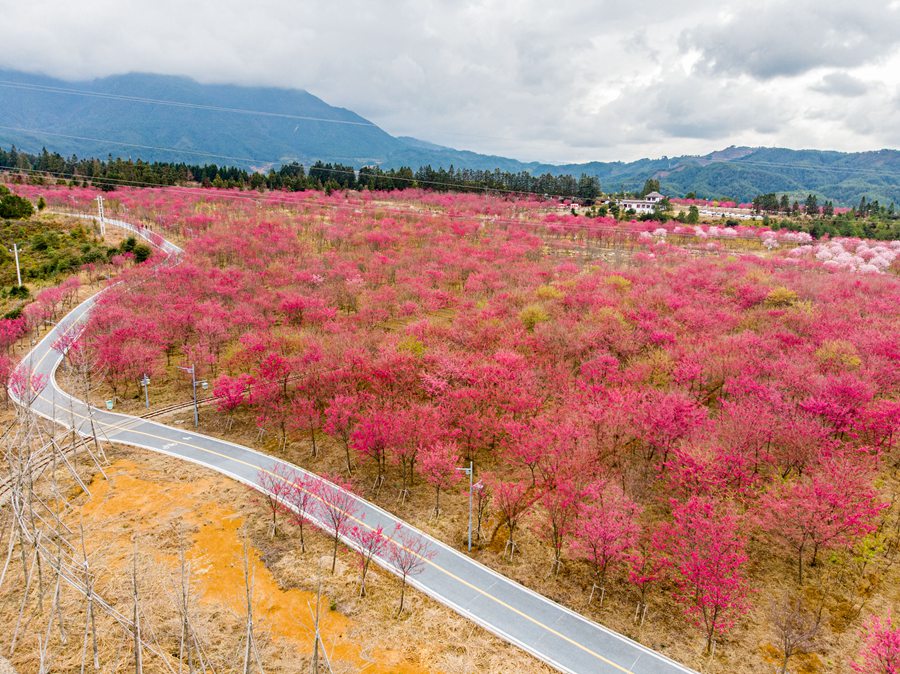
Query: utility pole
<point x="18" y="269"/>
<point x="469" y="471"/>
<point x="194" y="383"/>
<point x="145" y="382"/>
<point x="100" y="212"/>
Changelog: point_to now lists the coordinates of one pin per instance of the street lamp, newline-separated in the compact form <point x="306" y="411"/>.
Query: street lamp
<point x="15" y="252"/>
<point x="194" y="383"/>
<point x="102" y="216"/>
<point x="145" y="382"/>
<point x="469" y="471"/>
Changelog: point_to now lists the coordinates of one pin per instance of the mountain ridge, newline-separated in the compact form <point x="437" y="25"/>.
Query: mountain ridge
<point x="172" y="118"/>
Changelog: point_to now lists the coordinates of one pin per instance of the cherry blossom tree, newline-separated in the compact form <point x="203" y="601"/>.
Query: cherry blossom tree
<point x="26" y="384"/>
<point x="408" y="554"/>
<point x="11" y="330"/>
<point x="370" y="439"/>
<point x="230" y="393"/>
<point x="369" y="543"/>
<point x="707" y="553"/>
<point x="606" y="531"/>
<point x="646" y="566"/>
<point x="305" y="416"/>
<point x="880" y="652"/>
<point x="511" y="499"/>
<point x="438" y="465"/>
<point x="832" y="507"/>
<point x="337" y="509"/>
<point x="277" y="485"/>
<point x="341" y="417"/>
<point x="301" y="497"/>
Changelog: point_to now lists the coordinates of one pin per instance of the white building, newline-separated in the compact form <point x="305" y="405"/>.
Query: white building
<point x="645" y="205"/>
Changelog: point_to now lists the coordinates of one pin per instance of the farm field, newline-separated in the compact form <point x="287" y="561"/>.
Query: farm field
<point x="688" y="434"/>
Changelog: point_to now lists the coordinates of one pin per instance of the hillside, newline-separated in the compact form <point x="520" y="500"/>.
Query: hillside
<point x="160" y="117"/>
<point x="175" y="118"/>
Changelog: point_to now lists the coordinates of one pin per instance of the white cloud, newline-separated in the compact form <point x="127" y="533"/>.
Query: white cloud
<point x="563" y="81"/>
<point x="784" y="39"/>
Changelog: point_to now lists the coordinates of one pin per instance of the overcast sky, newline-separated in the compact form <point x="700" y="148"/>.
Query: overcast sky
<point x="546" y="80"/>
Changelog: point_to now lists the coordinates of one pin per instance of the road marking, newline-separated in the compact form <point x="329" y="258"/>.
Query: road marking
<point x="430" y="562"/>
<point x="360" y="522"/>
<point x="114" y="428"/>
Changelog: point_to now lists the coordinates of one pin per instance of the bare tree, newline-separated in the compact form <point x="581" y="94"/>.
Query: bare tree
<point x="90" y="623"/>
<point x="338" y="506"/>
<point x="251" y="647"/>
<point x="302" y="495"/>
<point x="136" y="619"/>
<point x="369" y="543"/>
<point x="277" y="487"/>
<point x="248" y="587"/>
<point x="796" y="628"/>
<point x="408" y="554"/>
<point x="185" y="648"/>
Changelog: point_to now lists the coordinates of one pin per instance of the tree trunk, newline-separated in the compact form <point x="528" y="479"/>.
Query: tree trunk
<point x="347" y="452"/>
<point x="402" y="594"/>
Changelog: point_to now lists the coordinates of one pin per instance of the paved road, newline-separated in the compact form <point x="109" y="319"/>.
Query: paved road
<point x="560" y="637"/>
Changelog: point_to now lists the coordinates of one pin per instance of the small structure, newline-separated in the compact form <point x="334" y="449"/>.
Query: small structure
<point x="645" y="205"/>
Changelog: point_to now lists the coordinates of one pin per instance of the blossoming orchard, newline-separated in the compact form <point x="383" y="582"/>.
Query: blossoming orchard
<point x="665" y="420"/>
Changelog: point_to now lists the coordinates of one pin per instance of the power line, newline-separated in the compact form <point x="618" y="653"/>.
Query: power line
<point x="270" y="197"/>
<point x="245" y="111"/>
<point x="833" y="169"/>
<point x="457" y="186"/>
<point x="177" y="104"/>
<point x="41" y="132"/>
<point x="588" y="228"/>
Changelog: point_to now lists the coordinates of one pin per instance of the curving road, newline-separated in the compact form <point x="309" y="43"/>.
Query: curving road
<point x="552" y="633"/>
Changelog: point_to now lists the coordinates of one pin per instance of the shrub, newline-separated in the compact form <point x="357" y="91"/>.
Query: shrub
<point x="780" y="297"/>
<point x="532" y="315"/>
<point x="548" y="292"/>
<point x="141" y="252"/>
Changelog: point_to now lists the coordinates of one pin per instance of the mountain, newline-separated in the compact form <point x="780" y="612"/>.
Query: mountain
<point x="160" y="117"/>
<point x="166" y="118"/>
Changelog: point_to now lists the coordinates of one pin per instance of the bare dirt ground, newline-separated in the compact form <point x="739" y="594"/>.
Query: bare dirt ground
<point x="165" y="508"/>
<point x="850" y="587"/>
<point x="173" y="506"/>
<point x="850" y="590"/>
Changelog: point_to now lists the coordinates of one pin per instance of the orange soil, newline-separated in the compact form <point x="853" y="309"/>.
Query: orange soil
<point x="216" y="560"/>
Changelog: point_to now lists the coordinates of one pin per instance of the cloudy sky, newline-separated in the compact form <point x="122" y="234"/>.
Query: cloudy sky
<point x="556" y="81"/>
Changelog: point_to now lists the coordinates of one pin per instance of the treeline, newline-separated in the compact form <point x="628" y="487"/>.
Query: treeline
<point x="870" y="219"/>
<point x="772" y="203"/>
<point x="109" y="173"/>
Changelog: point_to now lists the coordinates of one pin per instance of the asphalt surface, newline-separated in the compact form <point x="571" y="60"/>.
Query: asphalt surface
<point x="552" y="633"/>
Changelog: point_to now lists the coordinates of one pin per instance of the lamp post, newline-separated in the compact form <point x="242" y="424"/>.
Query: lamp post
<point x="18" y="269"/>
<point x="469" y="471"/>
<point x="145" y="382"/>
<point x="102" y="216"/>
<point x="194" y="383"/>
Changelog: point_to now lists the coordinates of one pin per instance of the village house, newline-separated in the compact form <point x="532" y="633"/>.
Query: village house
<point x="645" y="205"/>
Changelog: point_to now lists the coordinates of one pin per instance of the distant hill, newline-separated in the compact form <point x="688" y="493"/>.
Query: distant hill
<point x="204" y="122"/>
<point x="160" y="117"/>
